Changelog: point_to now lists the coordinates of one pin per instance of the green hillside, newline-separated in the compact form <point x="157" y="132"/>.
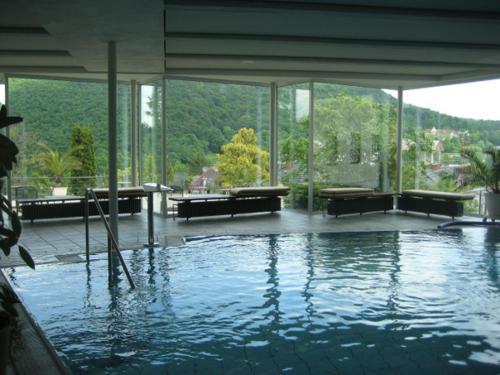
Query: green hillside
<point x="201" y="117"/>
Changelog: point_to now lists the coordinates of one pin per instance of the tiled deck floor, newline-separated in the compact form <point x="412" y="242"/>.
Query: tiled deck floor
<point x="62" y="240"/>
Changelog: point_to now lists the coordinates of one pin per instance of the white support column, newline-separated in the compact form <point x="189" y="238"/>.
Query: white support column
<point x="310" y="157"/>
<point x="273" y="141"/>
<point x="133" y="130"/>
<point x="164" y="154"/>
<point x="7" y="133"/>
<point x="399" y="146"/>
<point x="112" y="144"/>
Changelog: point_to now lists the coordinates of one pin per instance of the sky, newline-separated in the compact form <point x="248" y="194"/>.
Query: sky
<point x="478" y="100"/>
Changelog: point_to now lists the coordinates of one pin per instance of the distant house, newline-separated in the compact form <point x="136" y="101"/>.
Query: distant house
<point x="437" y="152"/>
<point x="206" y="182"/>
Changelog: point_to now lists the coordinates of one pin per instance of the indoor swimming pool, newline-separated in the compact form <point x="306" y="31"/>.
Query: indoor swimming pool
<point x="332" y="303"/>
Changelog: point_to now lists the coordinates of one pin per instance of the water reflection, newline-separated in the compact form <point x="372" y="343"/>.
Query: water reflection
<point x="491" y="242"/>
<point x="390" y="302"/>
<point x="272" y="293"/>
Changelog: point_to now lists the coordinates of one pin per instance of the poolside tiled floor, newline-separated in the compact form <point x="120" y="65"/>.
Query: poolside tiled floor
<point x="55" y="240"/>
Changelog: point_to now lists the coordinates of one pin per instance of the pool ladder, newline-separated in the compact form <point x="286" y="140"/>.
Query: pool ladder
<point x="112" y="243"/>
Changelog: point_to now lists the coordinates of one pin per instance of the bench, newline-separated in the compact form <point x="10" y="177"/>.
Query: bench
<point x="341" y="201"/>
<point x="65" y="206"/>
<point x="433" y="202"/>
<point x="238" y="201"/>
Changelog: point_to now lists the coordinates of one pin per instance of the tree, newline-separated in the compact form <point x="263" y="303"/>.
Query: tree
<point x="242" y="162"/>
<point x="350" y="141"/>
<point x="83" y="172"/>
<point x="56" y="164"/>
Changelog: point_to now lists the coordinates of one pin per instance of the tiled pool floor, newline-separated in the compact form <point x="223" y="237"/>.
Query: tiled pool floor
<point x="410" y="302"/>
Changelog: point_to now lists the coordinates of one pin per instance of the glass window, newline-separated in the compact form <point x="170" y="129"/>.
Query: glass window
<point x="151" y="97"/>
<point x="218" y="136"/>
<point x="439" y="124"/>
<point x="293" y="124"/>
<point x="63" y="140"/>
<point x="354" y="137"/>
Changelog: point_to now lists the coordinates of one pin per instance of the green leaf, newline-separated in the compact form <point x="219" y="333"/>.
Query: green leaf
<point x="26" y="256"/>
<point x="16" y="224"/>
<point x="5" y="246"/>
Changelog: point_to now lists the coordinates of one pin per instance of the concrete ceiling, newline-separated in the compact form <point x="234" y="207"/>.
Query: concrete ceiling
<point x="375" y="43"/>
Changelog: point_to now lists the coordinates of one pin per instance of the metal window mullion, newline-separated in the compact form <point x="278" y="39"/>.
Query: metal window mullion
<point x="133" y="130"/>
<point x="112" y="141"/>
<point x="273" y="144"/>
<point x="399" y="144"/>
<point x="7" y="133"/>
<point x="310" y="158"/>
<point x="140" y="158"/>
<point x="164" y="154"/>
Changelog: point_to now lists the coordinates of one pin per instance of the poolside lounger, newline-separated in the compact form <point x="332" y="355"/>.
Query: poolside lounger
<point x="433" y="202"/>
<point x="57" y="207"/>
<point x="238" y="201"/>
<point x="350" y="200"/>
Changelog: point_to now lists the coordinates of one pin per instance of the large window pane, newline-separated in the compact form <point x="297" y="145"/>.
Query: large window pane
<point x="57" y="116"/>
<point x="151" y="136"/>
<point x="293" y="123"/>
<point x="218" y="135"/>
<point x="354" y="137"/>
<point x="439" y="124"/>
<point x="151" y="97"/>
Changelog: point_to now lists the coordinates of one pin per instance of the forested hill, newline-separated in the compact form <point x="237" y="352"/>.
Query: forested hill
<point x="418" y="117"/>
<point x="201" y="116"/>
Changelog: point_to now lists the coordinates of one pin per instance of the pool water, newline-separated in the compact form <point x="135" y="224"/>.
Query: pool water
<point x="350" y="303"/>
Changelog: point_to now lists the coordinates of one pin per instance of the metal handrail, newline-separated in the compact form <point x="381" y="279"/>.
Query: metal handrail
<point x="111" y="238"/>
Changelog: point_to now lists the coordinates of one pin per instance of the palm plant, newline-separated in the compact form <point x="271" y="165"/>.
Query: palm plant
<point x="485" y="172"/>
<point x="56" y="164"/>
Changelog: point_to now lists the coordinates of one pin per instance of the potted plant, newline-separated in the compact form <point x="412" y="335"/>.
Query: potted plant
<point x="10" y="231"/>
<point x="487" y="173"/>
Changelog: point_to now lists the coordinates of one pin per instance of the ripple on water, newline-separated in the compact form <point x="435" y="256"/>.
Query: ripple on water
<point x="317" y="303"/>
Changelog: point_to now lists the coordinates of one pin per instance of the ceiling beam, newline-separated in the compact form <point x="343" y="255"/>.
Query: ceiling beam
<point x="41" y="69"/>
<point x="337" y="8"/>
<point x="23" y="30"/>
<point x="230" y="82"/>
<point x="460" y="78"/>
<point x="329" y="60"/>
<point x="470" y="76"/>
<point x="34" y="53"/>
<point x="330" y="41"/>
<point x="311" y="74"/>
